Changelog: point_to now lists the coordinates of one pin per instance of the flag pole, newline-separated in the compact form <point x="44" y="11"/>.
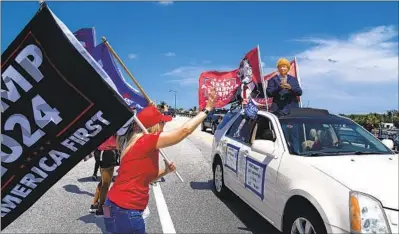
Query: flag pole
<point x="262" y="78"/>
<point x="145" y="95"/>
<point x="126" y="70"/>
<point x="299" y="79"/>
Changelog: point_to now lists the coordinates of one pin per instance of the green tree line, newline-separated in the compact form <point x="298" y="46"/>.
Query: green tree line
<point x="390" y="116"/>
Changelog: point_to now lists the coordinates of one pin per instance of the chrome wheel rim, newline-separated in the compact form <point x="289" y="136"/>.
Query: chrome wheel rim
<point x="302" y="226"/>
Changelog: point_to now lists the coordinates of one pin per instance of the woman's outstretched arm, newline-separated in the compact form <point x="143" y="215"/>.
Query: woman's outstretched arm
<point x="173" y="137"/>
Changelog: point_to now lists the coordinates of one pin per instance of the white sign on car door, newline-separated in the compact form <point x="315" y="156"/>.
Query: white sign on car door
<point x="255" y="177"/>
<point x="232" y="157"/>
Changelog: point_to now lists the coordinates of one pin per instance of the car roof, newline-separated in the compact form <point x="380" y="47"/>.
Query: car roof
<point x="306" y="112"/>
<point x="301" y="113"/>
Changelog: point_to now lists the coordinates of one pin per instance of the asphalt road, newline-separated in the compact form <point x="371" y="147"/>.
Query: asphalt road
<point x="175" y="207"/>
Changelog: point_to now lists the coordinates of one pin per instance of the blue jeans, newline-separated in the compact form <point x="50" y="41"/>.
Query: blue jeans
<point x="123" y="220"/>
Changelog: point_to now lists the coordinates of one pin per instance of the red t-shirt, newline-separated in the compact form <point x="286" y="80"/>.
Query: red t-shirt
<point x="138" y="167"/>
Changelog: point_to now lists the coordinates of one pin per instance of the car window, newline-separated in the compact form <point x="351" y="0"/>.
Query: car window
<point x="329" y="136"/>
<point x="226" y="119"/>
<point x="234" y="127"/>
<point x="264" y="129"/>
<point x="246" y="131"/>
<point x="241" y="129"/>
<point x="293" y="134"/>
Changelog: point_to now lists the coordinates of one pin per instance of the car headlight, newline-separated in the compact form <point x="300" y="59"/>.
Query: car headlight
<point x="367" y="214"/>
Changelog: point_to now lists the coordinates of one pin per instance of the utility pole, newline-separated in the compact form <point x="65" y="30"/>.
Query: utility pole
<point x="175" y="96"/>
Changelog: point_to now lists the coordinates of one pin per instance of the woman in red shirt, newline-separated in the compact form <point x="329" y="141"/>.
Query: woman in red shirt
<point x="129" y="195"/>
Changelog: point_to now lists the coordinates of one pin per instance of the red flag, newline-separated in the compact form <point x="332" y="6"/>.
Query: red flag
<point x="250" y="75"/>
<point x="247" y="79"/>
<point x="292" y="72"/>
<point x="251" y="59"/>
<point x="225" y="83"/>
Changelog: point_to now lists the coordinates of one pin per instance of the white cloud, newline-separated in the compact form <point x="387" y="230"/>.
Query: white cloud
<point x="133" y="56"/>
<point x="187" y="75"/>
<point x="170" y="54"/>
<point x="358" y="74"/>
<point x="165" y="2"/>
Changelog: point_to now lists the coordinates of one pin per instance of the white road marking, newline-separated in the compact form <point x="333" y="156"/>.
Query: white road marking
<point x="163" y="212"/>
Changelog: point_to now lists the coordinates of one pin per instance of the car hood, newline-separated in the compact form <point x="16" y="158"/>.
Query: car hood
<point x="376" y="175"/>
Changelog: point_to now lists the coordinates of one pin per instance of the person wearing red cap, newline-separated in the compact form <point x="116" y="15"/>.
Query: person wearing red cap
<point x="129" y="195"/>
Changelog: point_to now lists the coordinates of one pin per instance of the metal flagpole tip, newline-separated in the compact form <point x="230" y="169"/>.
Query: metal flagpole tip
<point x="104" y="39"/>
<point x="42" y="3"/>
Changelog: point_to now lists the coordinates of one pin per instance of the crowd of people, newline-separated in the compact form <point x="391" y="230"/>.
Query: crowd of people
<point x="137" y="154"/>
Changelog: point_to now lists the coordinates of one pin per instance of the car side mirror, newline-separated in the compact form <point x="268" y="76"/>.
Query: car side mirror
<point x="388" y="143"/>
<point x="265" y="147"/>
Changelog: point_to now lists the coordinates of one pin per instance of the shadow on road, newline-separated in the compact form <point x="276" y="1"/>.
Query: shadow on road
<point x="252" y="220"/>
<point x="90" y="218"/>
<point x="75" y="189"/>
<point x="201" y="185"/>
<point x="89" y="179"/>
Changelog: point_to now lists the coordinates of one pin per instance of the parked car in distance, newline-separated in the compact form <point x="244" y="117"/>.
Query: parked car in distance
<point x="172" y="112"/>
<point x="309" y="172"/>
<point x="213" y="119"/>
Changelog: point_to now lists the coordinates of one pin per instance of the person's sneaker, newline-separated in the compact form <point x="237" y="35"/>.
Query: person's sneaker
<point x="99" y="213"/>
<point x="94" y="177"/>
<point x="93" y="208"/>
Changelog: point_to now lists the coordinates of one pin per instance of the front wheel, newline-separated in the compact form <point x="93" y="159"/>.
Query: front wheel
<point x="306" y="221"/>
<point x="218" y="180"/>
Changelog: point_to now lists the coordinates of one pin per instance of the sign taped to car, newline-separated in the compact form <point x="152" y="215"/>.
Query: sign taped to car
<point x="232" y="157"/>
<point x="255" y="177"/>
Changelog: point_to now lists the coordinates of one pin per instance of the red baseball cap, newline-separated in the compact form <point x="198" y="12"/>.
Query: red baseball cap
<point x="150" y="116"/>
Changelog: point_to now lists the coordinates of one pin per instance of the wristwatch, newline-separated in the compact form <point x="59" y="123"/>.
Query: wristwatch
<point x="205" y="111"/>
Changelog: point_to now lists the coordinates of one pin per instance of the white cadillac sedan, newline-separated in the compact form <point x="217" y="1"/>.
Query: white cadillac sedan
<point x="308" y="172"/>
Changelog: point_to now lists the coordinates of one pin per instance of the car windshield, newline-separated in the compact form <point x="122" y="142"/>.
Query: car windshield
<point x="329" y="136"/>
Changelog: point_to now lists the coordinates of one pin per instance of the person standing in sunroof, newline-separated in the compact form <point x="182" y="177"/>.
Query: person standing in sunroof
<point x="284" y="89"/>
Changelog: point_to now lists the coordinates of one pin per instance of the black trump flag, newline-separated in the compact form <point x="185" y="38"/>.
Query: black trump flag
<point x="56" y="107"/>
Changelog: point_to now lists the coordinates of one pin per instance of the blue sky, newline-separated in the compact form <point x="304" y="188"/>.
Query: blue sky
<point x="347" y="51"/>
